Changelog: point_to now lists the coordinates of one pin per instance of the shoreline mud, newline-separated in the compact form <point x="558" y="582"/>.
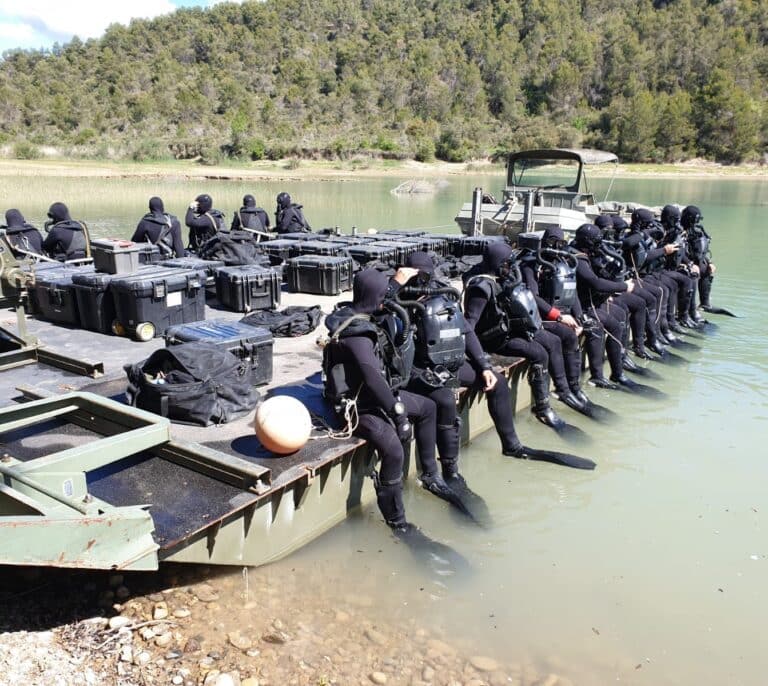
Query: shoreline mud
<point x="305" y="170"/>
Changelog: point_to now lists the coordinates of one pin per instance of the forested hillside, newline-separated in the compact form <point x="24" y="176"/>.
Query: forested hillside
<point x="456" y="79"/>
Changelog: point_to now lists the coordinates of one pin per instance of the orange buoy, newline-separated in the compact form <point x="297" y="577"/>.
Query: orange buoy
<point x="282" y="424"/>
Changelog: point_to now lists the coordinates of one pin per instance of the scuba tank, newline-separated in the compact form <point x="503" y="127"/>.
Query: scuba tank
<point x="557" y="278"/>
<point x="440" y="330"/>
<point x="519" y="305"/>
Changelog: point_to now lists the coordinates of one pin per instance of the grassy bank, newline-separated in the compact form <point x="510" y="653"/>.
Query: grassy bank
<point x="297" y="170"/>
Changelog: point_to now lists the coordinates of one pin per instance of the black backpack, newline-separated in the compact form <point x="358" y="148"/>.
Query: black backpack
<point x="290" y="322"/>
<point x="192" y="383"/>
<point x="233" y="248"/>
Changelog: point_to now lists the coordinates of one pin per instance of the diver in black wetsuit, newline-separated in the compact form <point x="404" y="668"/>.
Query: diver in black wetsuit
<point x="67" y="238"/>
<point x="698" y="242"/>
<point x="249" y="216"/>
<point x="641" y="255"/>
<point x="449" y="355"/>
<point x="203" y="221"/>
<point x="679" y="267"/>
<point x="161" y="229"/>
<point x="368" y="360"/>
<point x="596" y="293"/>
<point x="550" y="274"/>
<point x="289" y="216"/>
<point x="489" y="298"/>
<point x="23" y="237"/>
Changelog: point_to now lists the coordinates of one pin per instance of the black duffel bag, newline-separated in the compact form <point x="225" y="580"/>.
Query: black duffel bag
<point x="293" y="321"/>
<point x="192" y="383"/>
<point x="233" y="249"/>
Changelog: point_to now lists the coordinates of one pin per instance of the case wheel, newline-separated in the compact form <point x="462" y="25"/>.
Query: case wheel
<point x="117" y="328"/>
<point x="144" y="332"/>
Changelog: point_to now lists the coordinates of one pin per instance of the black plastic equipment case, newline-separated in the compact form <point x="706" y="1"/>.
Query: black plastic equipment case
<point x="279" y="250"/>
<point x="366" y="252"/>
<point x="403" y="233"/>
<point x="298" y="236"/>
<point x="149" y="254"/>
<point x="353" y="240"/>
<point x="251" y="343"/>
<point x="53" y="297"/>
<point x="477" y="245"/>
<point x="95" y="303"/>
<point x="319" y="274"/>
<point x="247" y="287"/>
<point x="427" y="243"/>
<point x="453" y="242"/>
<point x="154" y="299"/>
<point x="402" y="249"/>
<point x="321" y="248"/>
<point x="208" y="266"/>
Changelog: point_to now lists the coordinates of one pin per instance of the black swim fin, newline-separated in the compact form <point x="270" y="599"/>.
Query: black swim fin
<point x="720" y="310"/>
<point x="564" y="459"/>
<point x="572" y="433"/>
<point x="439" y="557"/>
<point x="478" y="508"/>
<point x="671" y="359"/>
<point x="435" y="484"/>
<point x="680" y="344"/>
<point x="630" y="386"/>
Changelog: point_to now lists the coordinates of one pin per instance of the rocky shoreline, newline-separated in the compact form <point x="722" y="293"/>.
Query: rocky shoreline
<point x="190" y="626"/>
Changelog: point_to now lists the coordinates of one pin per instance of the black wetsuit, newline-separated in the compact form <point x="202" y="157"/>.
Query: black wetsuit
<point x="569" y="342"/>
<point x="67" y="239"/>
<point x="250" y="217"/>
<point x="469" y="374"/>
<point x="160" y="229"/>
<point x="360" y="356"/>
<point x="595" y="298"/>
<point x="203" y="226"/>
<point x="290" y="218"/>
<point x="21" y="235"/>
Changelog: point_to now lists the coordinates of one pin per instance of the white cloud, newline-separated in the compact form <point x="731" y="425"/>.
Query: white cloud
<point x="85" y="18"/>
<point x="16" y="32"/>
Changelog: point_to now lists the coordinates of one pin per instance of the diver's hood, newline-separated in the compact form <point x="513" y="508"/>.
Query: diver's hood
<point x="58" y="212"/>
<point x="14" y="219"/>
<point x="368" y="291"/>
<point x="495" y="256"/>
<point x="204" y="203"/>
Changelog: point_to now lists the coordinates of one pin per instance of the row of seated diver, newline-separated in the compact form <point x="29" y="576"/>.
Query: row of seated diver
<point x="68" y="239"/>
<point x="398" y="353"/>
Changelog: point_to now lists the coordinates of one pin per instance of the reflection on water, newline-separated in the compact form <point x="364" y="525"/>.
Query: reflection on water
<point x="651" y="569"/>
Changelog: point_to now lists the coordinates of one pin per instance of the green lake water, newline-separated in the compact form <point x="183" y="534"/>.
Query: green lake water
<point x="652" y="569"/>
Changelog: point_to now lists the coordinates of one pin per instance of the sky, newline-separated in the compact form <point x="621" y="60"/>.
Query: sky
<point x="41" y="23"/>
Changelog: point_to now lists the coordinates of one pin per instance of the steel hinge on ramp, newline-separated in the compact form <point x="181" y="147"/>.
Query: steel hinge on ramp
<point x="47" y="515"/>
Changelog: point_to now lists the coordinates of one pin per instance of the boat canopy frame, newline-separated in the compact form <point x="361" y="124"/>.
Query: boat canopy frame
<point x="583" y="156"/>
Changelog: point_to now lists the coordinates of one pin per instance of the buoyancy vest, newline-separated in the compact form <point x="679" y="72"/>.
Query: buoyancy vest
<point x="698" y="242"/>
<point x="511" y="311"/>
<point x="393" y="346"/>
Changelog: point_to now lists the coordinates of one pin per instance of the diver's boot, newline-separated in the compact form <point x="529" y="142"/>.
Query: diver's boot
<point x="705" y="290"/>
<point x="573" y="374"/>
<point x="448" y="449"/>
<point x="628" y="364"/>
<point x="657" y="347"/>
<point x="624" y="381"/>
<point x="675" y="327"/>
<point x="538" y="378"/>
<point x="602" y="382"/>
<point x="640" y="351"/>
<point x="389" y="498"/>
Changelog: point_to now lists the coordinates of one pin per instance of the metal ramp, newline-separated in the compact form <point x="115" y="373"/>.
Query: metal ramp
<point x="89" y="482"/>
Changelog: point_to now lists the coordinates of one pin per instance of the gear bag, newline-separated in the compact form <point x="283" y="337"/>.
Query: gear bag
<point x="288" y="323"/>
<point x="233" y="249"/>
<point x="192" y="383"/>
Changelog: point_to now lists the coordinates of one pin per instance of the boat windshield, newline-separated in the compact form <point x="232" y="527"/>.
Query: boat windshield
<point x="542" y="173"/>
